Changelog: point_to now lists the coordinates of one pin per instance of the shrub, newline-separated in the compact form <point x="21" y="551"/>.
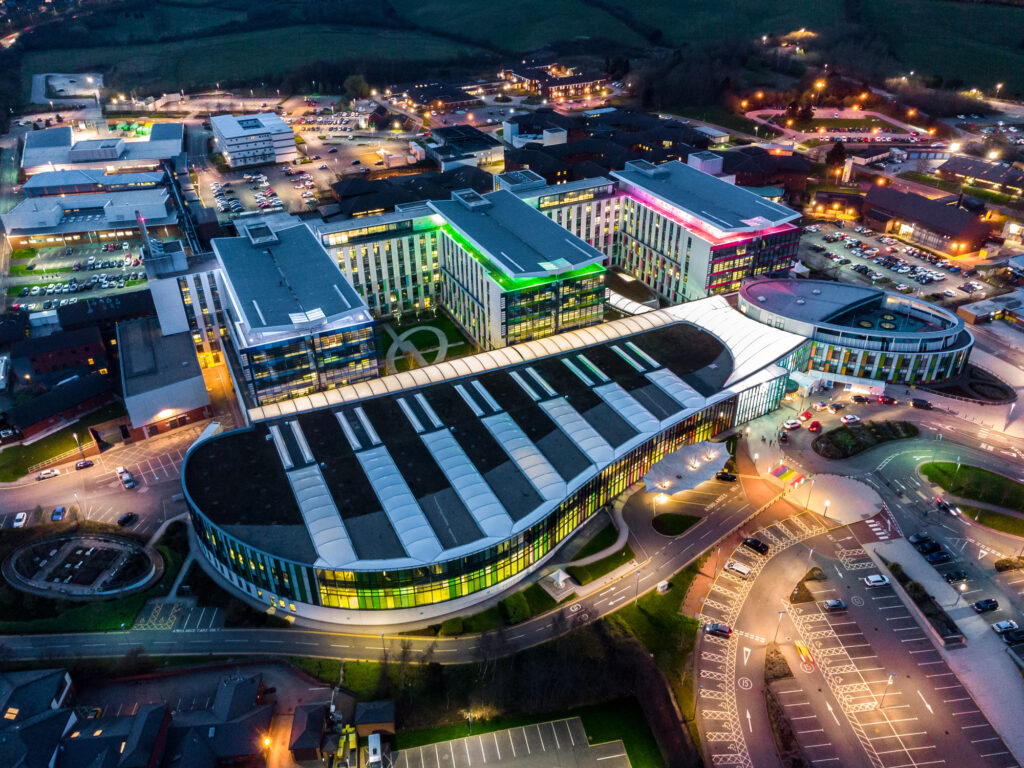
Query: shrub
<point x="450" y="627"/>
<point x="515" y="608"/>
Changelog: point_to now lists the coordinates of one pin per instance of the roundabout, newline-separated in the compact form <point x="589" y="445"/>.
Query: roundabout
<point x="82" y="567"/>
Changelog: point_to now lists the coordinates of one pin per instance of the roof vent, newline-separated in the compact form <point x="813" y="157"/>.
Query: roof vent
<point x="761" y="299"/>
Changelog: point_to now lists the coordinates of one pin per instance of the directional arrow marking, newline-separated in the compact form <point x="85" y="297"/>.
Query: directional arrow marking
<point x="750" y="724"/>
<point x="746" y="655"/>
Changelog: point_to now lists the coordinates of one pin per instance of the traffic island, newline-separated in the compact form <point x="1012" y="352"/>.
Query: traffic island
<point x="800" y="593"/>
<point x="851" y="439"/>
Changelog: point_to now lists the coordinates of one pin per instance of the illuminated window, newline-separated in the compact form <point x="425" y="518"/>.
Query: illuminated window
<point x="11" y="713"/>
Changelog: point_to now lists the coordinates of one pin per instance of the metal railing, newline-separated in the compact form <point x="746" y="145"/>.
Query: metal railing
<point x="61" y="457"/>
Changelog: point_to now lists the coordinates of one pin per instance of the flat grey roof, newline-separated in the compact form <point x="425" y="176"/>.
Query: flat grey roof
<point x="237" y="126"/>
<point x="724" y="206"/>
<point x="284" y="278"/>
<point x="516" y="237"/>
<point x="809" y="301"/>
<point x="150" y="360"/>
<point x="91" y="176"/>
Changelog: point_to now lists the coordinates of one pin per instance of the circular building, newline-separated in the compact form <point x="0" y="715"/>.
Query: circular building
<point x="414" y="495"/>
<point x="862" y="335"/>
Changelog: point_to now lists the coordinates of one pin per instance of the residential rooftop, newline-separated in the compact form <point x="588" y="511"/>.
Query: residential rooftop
<point x="515" y="238"/>
<point x="710" y="201"/>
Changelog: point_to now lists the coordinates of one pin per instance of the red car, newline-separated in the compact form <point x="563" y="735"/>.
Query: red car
<point x="815" y="426"/>
<point x="886" y="399"/>
<point x="806" y="415"/>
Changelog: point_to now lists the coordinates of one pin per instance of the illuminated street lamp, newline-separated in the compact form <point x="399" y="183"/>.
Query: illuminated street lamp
<point x="889" y="682"/>
<point x="827" y="502"/>
<point x="960" y="593"/>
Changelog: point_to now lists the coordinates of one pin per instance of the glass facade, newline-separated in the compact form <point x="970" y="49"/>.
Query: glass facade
<point x="276" y="579"/>
<point x="887" y="366"/>
<point x="304" y="364"/>
<point x="553" y="307"/>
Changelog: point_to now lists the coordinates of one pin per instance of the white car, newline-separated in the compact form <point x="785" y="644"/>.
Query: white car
<point x="999" y="627"/>
<point x="47" y="473"/>
<point x="19" y="519"/>
<point x="875" y="580"/>
<point x="851" y="418"/>
<point x="792" y="424"/>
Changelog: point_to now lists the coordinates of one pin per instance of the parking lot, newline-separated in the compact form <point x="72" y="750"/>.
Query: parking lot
<point x="907" y="707"/>
<point x="560" y="743"/>
<point x="873" y="256"/>
<point x="62" y="275"/>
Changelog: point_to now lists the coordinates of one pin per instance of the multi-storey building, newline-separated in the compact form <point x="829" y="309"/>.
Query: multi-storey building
<point x="863" y="337"/>
<point x="296" y="324"/>
<point x="510" y="274"/>
<point x="253" y="139"/>
<point x="688" y="234"/>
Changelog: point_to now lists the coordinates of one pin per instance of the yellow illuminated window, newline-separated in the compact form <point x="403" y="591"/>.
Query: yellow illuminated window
<point x="11" y="713"/>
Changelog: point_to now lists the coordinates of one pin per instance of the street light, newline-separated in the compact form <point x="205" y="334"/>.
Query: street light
<point x="78" y="443"/>
<point x="891" y="681"/>
<point x="960" y="593"/>
<point x="775" y="637"/>
<point x="827" y="502"/>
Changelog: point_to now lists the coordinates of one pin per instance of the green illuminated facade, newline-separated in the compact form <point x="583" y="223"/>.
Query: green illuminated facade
<point x="497" y="310"/>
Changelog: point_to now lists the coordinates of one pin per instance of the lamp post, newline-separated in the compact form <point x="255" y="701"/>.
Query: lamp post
<point x="827" y="502"/>
<point x="778" y="624"/>
<point x="889" y="682"/>
<point x="810" y="490"/>
<point x="79" y="444"/>
<point x="959" y="593"/>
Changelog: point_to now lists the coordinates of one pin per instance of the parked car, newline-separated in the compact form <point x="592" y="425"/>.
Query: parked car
<point x="915" y="538"/>
<point x="58" y="514"/>
<point x="917" y="402"/>
<point x="127" y="478"/>
<point x="814" y="426"/>
<point x="1004" y="626"/>
<point x="756" y="545"/>
<point x="127" y="519"/>
<point x="875" y="580"/>
<point x="728" y="477"/>
<point x="83" y="464"/>
<point x="928" y="546"/>
<point x="986" y="605"/>
<point x="806" y="416"/>
<point x="1013" y="636"/>
<point x="20" y="519"/>
<point x="953" y="577"/>
<point x="859" y="399"/>
<point x="939" y="557"/>
<point x="834" y="605"/>
<point x="718" y="630"/>
<point x="739" y="569"/>
<point x="851" y="418"/>
<point x="47" y="473"/>
<point x="886" y="399"/>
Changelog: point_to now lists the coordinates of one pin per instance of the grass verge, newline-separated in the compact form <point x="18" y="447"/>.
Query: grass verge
<point x="15" y="460"/>
<point x="998" y="521"/>
<point x="673" y="524"/>
<point x="970" y="482"/>
<point x="584" y="574"/>
<point x="849" y="440"/>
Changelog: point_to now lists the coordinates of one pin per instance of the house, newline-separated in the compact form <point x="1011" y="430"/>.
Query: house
<point x="375" y="717"/>
<point x="62" y="405"/>
<point x="307" y="734"/>
<point x="79" y="351"/>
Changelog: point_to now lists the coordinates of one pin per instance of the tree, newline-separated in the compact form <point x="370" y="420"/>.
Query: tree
<point x="806" y="114"/>
<point x="356" y="87"/>
<point x="836" y="155"/>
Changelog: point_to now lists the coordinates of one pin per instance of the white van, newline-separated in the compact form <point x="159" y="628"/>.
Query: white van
<point x="738" y="568"/>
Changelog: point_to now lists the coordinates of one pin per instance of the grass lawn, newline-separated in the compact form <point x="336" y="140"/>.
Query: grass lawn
<point x="946" y="185"/>
<point x="672" y="523"/>
<point x="39" y="271"/>
<point x="996" y="520"/>
<point x="328" y="670"/>
<point x="622" y="719"/>
<point x="584" y="574"/>
<point x="538" y="22"/>
<point x="15" y="460"/>
<point x="719" y="115"/>
<point x="655" y="621"/>
<point x="975" y="483"/>
<point x="242" y="56"/>
<point x="985" y="38"/>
